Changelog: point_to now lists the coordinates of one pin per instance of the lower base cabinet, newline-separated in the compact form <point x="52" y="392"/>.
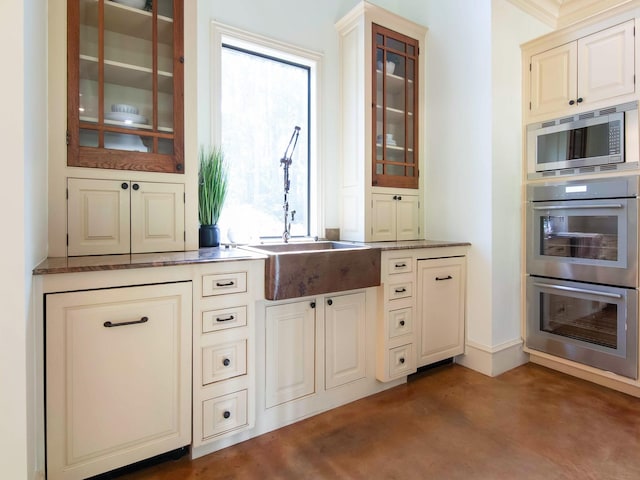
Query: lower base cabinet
<point x="291" y="345"/>
<point x="101" y="412"/>
<point x="441" y="304"/>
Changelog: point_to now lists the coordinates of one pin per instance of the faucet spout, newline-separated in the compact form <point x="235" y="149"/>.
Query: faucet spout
<point x="285" y="161"/>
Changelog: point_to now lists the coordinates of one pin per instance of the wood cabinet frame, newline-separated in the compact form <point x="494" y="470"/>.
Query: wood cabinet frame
<point x="99" y="157"/>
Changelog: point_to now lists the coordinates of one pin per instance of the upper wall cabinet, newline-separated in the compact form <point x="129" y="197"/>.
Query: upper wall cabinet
<point x="395" y="120"/>
<point x="582" y="74"/>
<point x="125" y="85"/>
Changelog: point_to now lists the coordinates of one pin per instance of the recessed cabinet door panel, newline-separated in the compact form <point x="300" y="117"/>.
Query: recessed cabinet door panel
<point x="290" y="352"/>
<point x="345" y="325"/>
<point x="407" y="217"/>
<point x="157" y="217"/>
<point x="98" y="217"/>
<point x="441" y="283"/>
<point x="383" y="218"/>
<point x="606" y="63"/>
<point x="117" y="376"/>
<point x="553" y="79"/>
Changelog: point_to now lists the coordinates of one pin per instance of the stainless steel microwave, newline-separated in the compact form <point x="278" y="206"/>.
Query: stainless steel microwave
<point x="590" y="142"/>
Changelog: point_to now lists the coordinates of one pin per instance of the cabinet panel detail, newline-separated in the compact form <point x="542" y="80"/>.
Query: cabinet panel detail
<point x="400" y="322"/>
<point x="345" y="325"/>
<point x="401" y="361"/>
<point x="400" y="265"/>
<point x="223" y="414"/>
<point x="213" y="320"/>
<point x="224" y="361"/>
<point x="224" y="283"/>
<point x="399" y="290"/>
<point x="290" y="352"/>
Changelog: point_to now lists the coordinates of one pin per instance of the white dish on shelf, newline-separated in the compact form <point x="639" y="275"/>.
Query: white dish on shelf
<point x="119" y="141"/>
<point x="125" y="117"/>
<point x="132" y="3"/>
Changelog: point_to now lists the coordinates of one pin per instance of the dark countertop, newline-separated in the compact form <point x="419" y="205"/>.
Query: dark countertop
<point x="204" y="255"/>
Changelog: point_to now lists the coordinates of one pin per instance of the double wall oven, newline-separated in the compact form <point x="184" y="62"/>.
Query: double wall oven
<point x="582" y="266"/>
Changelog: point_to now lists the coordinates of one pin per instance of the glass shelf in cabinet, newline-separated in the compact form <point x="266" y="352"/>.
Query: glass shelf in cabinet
<point x="124" y="74"/>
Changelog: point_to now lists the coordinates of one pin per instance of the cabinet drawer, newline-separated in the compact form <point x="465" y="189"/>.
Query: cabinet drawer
<point x="224" y="361"/>
<point x="223" y="414"/>
<point x="213" y="320"/>
<point x="400" y="322"/>
<point x="224" y="283"/>
<point x="399" y="290"/>
<point x="399" y="265"/>
<point x="401" y="361"/>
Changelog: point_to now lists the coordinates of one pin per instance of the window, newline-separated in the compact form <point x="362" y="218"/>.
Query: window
<point x="264" y="92"/>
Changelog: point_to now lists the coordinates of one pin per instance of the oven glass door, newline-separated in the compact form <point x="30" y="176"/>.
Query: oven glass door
<point x="586" y="240"/>
<point x="590" y="324"/>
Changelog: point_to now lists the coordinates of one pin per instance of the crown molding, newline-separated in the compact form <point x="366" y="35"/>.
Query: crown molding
<point x="562" y="13"/>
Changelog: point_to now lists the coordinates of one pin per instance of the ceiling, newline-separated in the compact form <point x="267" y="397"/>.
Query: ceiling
<point x="561" y="13"/>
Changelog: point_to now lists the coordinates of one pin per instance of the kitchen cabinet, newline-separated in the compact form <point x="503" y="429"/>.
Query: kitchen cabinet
<point x="118" y="388"/>
<point x="125" y="85"/>
<point x="382" y="119"/>
<point x="293" y="351"/>
<point x="582" y="74"/>
<point x="115" y="217"/>
<point x="395" y="325"/>
<point x="440" y="308"/>
<point x="224" y="351"/>
<point x="395" y="217"/>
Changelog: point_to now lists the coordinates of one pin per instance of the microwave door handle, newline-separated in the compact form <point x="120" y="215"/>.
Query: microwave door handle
<point x="578" y="290"/>
<point x="579" y="207"/>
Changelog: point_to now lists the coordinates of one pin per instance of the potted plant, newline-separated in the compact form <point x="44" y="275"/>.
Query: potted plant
<point x="212" y="190"/>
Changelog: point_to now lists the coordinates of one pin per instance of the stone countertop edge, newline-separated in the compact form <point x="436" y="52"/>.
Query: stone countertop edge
<point x="97" y="263"/>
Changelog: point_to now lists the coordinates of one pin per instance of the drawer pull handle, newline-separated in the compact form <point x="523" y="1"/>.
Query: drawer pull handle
<point x="122" y="324"/>
<point x="448" y="277"/>
<point x="228" y="319"/>
<point x="401" y="290"/>
<point x="401" y="265"/>
<point x="226" y="414"/>
<point x="227" y="284"/>
<point x="402" y="323"/>
<point x="226" y="362"/>
<point x="401" y="359"/>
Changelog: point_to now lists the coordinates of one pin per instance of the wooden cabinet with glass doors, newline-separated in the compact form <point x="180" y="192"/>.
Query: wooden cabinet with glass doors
<point x="125" y="85"/>
<point x="395" y="120"/>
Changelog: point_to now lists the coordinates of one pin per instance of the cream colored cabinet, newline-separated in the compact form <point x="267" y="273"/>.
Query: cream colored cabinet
<point x="396" y="354"/>
<point x="441" y="308"/>
<point x="290" y="351"/>
<point x="115" y="217"/>
<point x="223" y="351"/>
<point x="395" y="217"/>
<point x="118" y="365"/>
<point x="581" y="73"/>
<point x="382" y="123"/>
<point x="345" y="331"/>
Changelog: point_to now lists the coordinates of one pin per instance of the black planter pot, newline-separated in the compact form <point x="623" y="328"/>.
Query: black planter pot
<point x="209" y="236"/>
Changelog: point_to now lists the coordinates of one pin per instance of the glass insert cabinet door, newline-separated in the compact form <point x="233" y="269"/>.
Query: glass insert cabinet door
<point x="125" y="84"/>
<point x="395" y="109"/>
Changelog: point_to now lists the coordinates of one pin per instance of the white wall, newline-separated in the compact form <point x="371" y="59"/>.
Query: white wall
<point x="23" y="31"/>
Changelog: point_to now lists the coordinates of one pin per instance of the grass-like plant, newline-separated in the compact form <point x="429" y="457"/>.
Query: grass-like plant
<point x="213" y="178"/>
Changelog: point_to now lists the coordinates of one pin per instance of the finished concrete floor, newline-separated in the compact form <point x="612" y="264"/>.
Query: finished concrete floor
<point x="448" y="423"/>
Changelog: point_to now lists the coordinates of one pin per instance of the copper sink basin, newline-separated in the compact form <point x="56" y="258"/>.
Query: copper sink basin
<point x="310" y="268"/>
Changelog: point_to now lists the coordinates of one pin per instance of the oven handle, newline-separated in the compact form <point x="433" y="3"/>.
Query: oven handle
<point x="578" y="290"/>
<point x="578" y="207"/>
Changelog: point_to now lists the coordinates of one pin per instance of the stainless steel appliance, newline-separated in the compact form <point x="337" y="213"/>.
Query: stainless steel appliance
<point x="589" y="142"/>
<point x="582" y="265"/>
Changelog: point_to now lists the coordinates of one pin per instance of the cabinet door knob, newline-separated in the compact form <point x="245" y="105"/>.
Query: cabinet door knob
<point x="226" y="414"/>
<point x="226" y="362"/>
<point x="124" y="185"/>
<point x="401" y="359"/>
<point x="395" y="197"/>
<point x="330" y="302"/>
<point x="402" y="323"/>
<point x="312" y="304"/>
<point x="580" y="100"/>
<point x="572" y="102"/>
<point x="399" y="197"/>
<point x="135" y="186"/>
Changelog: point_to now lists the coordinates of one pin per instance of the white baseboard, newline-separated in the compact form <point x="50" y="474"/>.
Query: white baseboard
<point x="493" y="361"/>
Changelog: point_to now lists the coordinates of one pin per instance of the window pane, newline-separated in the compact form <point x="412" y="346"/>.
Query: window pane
<point x="263" y="98"/>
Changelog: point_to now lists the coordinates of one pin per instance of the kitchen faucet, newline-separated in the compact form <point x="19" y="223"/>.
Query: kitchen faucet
<point x="285" y="161"/>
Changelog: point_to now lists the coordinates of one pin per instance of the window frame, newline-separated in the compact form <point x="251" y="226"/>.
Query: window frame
<point x="235" y="38"/>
